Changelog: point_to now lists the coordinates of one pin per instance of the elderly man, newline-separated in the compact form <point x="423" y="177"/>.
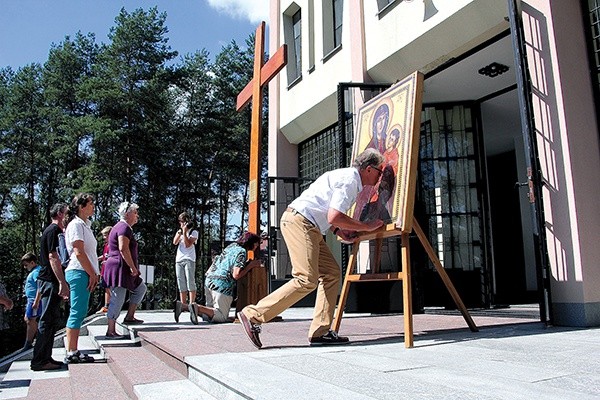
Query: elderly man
<point x="319" y="208"/>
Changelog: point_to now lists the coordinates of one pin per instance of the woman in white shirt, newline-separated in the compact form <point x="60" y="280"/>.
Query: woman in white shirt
<point x="82" y="273"/>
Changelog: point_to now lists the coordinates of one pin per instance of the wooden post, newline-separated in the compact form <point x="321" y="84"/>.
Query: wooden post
<point x="254" y="286"/>
<point x="407" y="292"/>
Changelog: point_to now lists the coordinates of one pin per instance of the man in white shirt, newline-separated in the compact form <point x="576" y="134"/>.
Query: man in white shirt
<point x="319" y="208"/>
<point x="185" y="263"/>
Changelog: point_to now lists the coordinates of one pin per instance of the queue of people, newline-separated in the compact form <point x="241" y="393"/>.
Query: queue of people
<point x="70" y="270"/>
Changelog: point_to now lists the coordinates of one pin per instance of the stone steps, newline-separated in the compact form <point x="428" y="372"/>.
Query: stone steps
<point x="134" y="366"/>
<point x="246" y="376"/>
<point x="124" y="370"/>
<point x="22" y="382"/>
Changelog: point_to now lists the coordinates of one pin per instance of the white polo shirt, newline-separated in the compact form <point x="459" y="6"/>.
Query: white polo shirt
<point x="335" y="189"/>
<point x="78" y="229"/>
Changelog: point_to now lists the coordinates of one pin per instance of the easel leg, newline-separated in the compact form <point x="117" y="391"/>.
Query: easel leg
<point x="445" y="278"/>
<point x="337" y="321"/>
<point x="407" y="293"/>
<point x="376" y="267"/>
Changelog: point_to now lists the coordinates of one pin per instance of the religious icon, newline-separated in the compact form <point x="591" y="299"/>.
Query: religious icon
<point x="390" y="123"/>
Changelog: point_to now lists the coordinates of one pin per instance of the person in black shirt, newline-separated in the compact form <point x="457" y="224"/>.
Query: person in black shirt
<point x="53" y="289"/>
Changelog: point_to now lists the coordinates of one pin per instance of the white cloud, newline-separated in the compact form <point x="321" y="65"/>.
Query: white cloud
<point x="254" y="11"/>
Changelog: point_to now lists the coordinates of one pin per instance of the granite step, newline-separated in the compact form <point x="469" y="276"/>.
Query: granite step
<point x="87" y="345"/>
<point x="97" y="334"/>
<point x="247" y="376"/>
<point x="136" y="366"/>
<point x="21" y="382"/>
<point x="95" y="381"/>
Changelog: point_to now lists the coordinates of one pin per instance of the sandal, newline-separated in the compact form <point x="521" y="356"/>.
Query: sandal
<point x="79" y="358"/>
<point x="133" y="321"/>
<point x="115" y="336"/>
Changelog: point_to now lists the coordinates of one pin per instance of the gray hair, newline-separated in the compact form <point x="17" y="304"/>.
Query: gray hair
<point x="126" y="207"/>
<point x="368" y="158"/>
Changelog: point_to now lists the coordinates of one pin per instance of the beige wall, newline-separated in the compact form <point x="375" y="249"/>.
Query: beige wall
<point x="567" y="139"/>
<point x="566" y="128"/>
<point x="407" y="38"/>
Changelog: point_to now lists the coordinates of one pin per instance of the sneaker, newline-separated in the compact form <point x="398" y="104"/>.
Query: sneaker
<point x="78" y="358"/>
<point x="177" y="310"/>
<point x="252" y="330"/>
<point x="330" y="338"/>
<point x="193" y="315"/>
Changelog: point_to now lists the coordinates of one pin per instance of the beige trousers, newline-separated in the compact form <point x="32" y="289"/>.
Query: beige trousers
<point x="313" y="267"/>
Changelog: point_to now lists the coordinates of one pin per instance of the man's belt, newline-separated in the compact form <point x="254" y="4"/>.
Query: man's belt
<point x="296" y="212"/>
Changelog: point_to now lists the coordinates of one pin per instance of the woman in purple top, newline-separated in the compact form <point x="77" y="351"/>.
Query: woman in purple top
<point x="121" y="271"/>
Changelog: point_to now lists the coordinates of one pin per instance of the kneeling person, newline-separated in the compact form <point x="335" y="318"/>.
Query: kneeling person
<point x="221" y="279"/>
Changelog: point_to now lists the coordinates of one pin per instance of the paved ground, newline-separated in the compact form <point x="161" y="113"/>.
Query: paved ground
<point x="513" y="356"/>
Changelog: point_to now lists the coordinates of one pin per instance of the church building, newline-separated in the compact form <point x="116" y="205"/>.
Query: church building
<point x="509" y="154"/>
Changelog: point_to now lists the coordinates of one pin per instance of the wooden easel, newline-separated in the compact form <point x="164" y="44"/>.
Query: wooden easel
<point x="404" y="275"/>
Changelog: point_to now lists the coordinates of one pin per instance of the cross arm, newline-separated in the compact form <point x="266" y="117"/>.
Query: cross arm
<point x="268" y="71"/>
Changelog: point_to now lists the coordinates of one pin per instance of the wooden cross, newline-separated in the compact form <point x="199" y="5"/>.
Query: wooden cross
<point x="263" y="73"/>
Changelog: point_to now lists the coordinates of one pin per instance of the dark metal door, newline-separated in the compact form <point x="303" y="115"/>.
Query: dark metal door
<point x="534" y="181"/>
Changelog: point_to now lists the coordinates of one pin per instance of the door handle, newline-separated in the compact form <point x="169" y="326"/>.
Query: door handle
<point x="529" y="185"/>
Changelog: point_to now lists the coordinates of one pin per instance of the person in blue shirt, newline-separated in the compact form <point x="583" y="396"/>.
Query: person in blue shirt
<point x="29" y="262"/>
<point x="221" y="277"/>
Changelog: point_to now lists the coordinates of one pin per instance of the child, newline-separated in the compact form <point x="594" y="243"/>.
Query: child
<point x="102" y="260"/>
<point x="29" y="262"/>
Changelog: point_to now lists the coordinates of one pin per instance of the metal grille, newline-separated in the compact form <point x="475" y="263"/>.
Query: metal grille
<point x="594" y="9"/>
<point x="281" y="193"/>
<point x="448" y="186"/>
<point x="319" y="154"/>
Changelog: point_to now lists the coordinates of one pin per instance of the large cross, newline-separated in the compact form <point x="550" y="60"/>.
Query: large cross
<point x="263" y="73"/>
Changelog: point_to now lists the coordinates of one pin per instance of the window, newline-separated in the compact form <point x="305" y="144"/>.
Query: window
<point x="381" y="4"/>
<point x="384" y="6"/>
<point x="593" y="32"/>
<point x="297" y="53"/>
<point x="292" y="31"/>
<point x="333" y="12"/>
<point x="338" y="8"/>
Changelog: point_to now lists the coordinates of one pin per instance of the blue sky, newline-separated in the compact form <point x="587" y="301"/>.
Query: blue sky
<point x="29" y="27"/>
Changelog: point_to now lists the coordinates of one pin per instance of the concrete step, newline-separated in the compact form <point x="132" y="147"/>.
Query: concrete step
<point x="134" y="366"/>
<point x="95" y="381"/>
<point x="21" y="382"/>
<point x="97" y="334"/>
<point x="87" y="345"/>
<point x="144" y="372"/>
<point x="182" y="389"/>
<point x="246" y="376"/>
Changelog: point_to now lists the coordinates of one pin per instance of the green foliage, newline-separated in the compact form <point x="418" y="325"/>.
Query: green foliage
<point x="122" y="120"/>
